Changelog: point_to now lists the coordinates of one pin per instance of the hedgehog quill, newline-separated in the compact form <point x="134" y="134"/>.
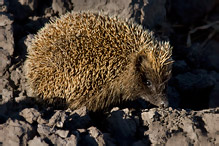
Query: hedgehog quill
<point x="95" y="60"/>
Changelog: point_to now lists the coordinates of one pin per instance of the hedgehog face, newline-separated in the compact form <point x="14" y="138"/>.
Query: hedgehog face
<point x="151" y="81"/>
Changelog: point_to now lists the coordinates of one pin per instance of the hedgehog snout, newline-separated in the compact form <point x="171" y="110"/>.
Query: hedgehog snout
<point x="159" y="100"/>
<point x="163" y="101"/>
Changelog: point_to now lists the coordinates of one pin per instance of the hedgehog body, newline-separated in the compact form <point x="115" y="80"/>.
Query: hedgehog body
<point x="94" y="60"/>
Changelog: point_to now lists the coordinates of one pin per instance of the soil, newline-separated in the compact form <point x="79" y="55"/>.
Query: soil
<point x="193" y="91"/>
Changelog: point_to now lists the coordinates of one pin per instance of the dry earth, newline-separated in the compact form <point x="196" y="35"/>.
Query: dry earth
<point x="193" y="116"/>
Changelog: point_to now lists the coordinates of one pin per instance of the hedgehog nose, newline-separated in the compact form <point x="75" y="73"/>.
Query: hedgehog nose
<point x="164" y="104"/>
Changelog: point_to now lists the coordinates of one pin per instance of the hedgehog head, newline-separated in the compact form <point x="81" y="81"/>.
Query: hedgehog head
<point x="152" y="71"/>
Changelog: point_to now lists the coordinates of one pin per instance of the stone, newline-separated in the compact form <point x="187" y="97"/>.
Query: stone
<point x="190" y="81"/>
<point x="30" y="115"/>
<point x="22" y="9"/>
<point x="15" y="132"/>
<point x="6" y="33"/>
<point x="183" y="12"/>
<point x="148" y="13"/>
<point x="213" y="97"/>
<point x="23" y="44"/>
<point x="72" y="141"/>
<point x="16" y="76"/>
<point x="56" y="140"/>
<point x="44" y="130"/>
<point x="211" y="55"/>
<point x="180" y="66"/>
<point x="122" y="125"/>
<point x="7" y="94"/>
<point x="37" y="141"/>
<point x="57" y="119"/>
<point x="32" y="4"/>
<point x="140" y="143"/>
<point x="5" y="61"/>
<point x="211" y="123"/>
<point x="4" y="5"/>
<point x="177" y="139"/>
<point x="97" y="135"/>
<point x="62" y="133"/>
<point x="78" y="119"/>
<point x="148" y="117"/>
<point x="61" y="6"/>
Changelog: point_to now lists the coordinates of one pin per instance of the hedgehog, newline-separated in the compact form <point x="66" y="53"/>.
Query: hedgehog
<point x="97" y="60"/>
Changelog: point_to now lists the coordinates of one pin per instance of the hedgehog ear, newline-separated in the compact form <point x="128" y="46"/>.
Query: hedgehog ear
<point x="139" y="60"/>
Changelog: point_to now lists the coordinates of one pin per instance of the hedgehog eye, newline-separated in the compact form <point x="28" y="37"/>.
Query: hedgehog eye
<point x="148" y="83"/>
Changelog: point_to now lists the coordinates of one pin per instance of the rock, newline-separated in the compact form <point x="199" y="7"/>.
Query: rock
<point x="109" y="139"/>
<point x="36" y="23"/>
<point x="37" y="141"/>
<point x="57" y="137"/>
<point x="184" y="11"/>
<point x="211" y="124"/>
<point x="57" y="119"/>
<point x="3" y="117"/>
<point x="215" y="75"/>
<point x="173" y="96"/>
<point x="6" y="19"/>
<point x="33" y="26"/>
<point x="6" y="33"/>
<point x="149" y="13"/>
<point x="44" y="130"/>
<point x="4" y="5"/>
<point x="192" y="129"/>
<point x="149" y="117"/>
<point x="194" y="55"/>
<point x="7" y="94"/>
<point x="97" y="135"/>
<point x="78" y="119"/>
<point x="23" y="43"/>
<point x="30" y="115"/>
<point x="194" y="86"/>
<point x="122" y="125"/>
<point x="16" y="76"/>
<point x="62" y="133"/>
<point x="180" y="66"/>
<point x="72" y="141"/>
<point x="81" y="130"/>
<point x="23" y="8"/>
<point x="140" y="143"/>
<point x="56" y="140"/>
<point x="213" y="97"/>
<point x="155" y="131"/>
<point x="177" y="139"/>
<point x="211" y="55"/>
<point x="21" y="97"/>
<point x="32" y="4"/>
<point x="206" y="56"/>
<point x="4" y="83"/>
<point x="15" y="132"/>
<point x="61" y="6"/>
<point x="5" y="61"/>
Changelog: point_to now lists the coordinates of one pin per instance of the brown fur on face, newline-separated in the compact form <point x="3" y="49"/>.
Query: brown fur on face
<point x="95" y="60"/>
<point x="152" y="77"/>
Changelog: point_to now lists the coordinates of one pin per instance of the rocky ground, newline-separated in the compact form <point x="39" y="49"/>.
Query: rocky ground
<point x="193" y="116"/>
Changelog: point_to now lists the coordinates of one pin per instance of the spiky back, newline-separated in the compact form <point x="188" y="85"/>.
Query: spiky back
<point x="78" y="54"/>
